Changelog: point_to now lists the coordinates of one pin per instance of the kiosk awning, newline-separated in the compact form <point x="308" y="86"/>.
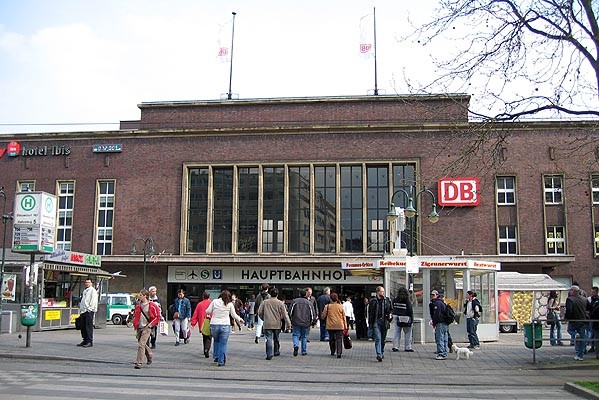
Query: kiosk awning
<point x="77" y="269"/>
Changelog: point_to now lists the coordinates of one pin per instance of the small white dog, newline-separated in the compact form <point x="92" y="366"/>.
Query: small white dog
<point x="461" y="351"/>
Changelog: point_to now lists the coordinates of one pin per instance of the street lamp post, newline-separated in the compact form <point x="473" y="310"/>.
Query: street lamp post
<point x="411" y="212"/>
<point x="5" y="218"/>
<point x="147" y="249"/>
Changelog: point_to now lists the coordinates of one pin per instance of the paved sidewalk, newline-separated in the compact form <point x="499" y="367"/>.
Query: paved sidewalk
<point x="496" y="363"/>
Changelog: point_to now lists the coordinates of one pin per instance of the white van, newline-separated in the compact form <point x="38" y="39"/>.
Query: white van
<point x="118" y="306"/>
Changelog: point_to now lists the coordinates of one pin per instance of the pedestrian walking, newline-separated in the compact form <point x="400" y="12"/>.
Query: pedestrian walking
<point x="198" y="318"/>
<point x="336" y="323"/>
<point x="553" y="319"/>
<point x="87" y="308"/>
<point x="155" y="299"/>
<point x="147" y="316"/>
<point x="576" y="307"/>
<point x="182" y="308"/>
<point x="272" y="311"/>
<point x="472" y="311"/>
<point x="239" y="310"/>
<point x="323" y="300"/>
<point x="302" y="317"/>
<point x="348" y="309"/>
<point x="437" y="312"/>
<point x="379" y="315"/>
<point x="263" y="295"/>
<point x="403" y="317"/>
<point x="251" y="312"/>
<point x="221" y="311"/>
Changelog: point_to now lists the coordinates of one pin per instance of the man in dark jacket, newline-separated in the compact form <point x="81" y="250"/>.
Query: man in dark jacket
<point x="576" y="314"/>
<point x="322" y="301"/>
<point x="302" y="317"/>
<point x="379" y="315"/>
<point x="437" y="311"/>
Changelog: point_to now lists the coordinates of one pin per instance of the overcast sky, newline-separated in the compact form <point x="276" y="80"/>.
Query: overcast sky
<point x="84" y="61"/>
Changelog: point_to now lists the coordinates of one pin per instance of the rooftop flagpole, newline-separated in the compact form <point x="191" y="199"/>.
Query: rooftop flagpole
<point x="230" y="94"/>
<point x="376" y="87"/>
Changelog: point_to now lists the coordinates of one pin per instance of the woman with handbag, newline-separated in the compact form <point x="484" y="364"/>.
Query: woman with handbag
<point x="199" y="317"/>
<point x="553" y="320"/>
<point x="221" y="310"/>
<point x="336" y="323"/>
<point x="147" y="315"/>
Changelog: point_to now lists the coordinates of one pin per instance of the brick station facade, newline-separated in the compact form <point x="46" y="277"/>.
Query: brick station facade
<point x="549" y="226"/>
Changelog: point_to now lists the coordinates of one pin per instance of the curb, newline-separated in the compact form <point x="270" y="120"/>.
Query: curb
<point x="57" y="358"/>
<point x="580" y="391"/>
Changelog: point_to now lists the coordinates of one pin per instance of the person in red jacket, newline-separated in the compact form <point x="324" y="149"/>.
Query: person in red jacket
<point x="147" y="315"/>
<point x="198" y="318"/>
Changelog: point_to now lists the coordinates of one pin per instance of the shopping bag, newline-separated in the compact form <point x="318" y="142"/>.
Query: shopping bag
<point x="205" y="329"/>
<point x="163" y="328"/>
<point x="347" y="343"/>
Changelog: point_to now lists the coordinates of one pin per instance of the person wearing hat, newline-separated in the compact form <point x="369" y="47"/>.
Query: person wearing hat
<point x="576" y="315"/>
<point x="472" y="311"/>
<point x="437" y="311"/>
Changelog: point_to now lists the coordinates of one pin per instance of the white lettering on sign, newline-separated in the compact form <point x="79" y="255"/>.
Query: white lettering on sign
<point x="459" y="192"/>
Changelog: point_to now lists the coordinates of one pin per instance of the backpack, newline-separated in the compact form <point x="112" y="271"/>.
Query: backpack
<point x="449" y="314"/>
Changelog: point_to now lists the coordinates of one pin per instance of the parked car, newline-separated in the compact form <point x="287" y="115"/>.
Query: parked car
<point x="118" y="306"/>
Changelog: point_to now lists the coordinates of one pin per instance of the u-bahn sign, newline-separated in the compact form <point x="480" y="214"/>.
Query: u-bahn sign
<point x="34" y="223"/>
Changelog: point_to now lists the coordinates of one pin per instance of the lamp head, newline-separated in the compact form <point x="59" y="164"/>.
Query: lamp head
<point x="392" y="214"/>
<point x="410" y="211"/>
<point x="133" y="249"/>
<point x="433" y="217"/>
<point x="151" y="249"/>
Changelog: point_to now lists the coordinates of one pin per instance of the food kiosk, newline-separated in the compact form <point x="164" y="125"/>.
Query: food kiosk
<point x="453" y="276"/>
<point x="60" y="280"/>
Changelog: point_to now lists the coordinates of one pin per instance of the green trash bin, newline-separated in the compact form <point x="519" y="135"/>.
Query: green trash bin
<point x="28" y="314"/>
<point x="538" y="331"/>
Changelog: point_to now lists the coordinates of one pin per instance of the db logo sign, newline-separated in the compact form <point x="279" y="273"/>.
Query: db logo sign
<point x="461" y="192"/>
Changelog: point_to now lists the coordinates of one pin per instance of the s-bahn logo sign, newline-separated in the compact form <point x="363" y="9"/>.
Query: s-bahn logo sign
<point x="459" y="192"/>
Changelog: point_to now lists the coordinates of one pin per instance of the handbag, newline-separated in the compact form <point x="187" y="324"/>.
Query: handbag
<point x="551" y="317"/>
<point x="205" y="329"/>
<point x="347" y="343"/>
<point x="163" y="328"/>
<point x="78" y="323"/>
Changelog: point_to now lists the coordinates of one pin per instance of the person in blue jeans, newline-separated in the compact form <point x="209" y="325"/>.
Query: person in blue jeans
<point x="379" y="314"/>
<point x="437" y="312"/>
<point x="553" y="319"/>
<point x="221" y="311"/>
<point x="302" y="316"/>
<point x="472" y="311"/>
<point x="323" y="300"/>
<point x="576" y="307"/>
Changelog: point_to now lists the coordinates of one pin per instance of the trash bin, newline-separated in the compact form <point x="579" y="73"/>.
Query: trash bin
<point x="538" y="331"/>
<point x="28" y="314"/>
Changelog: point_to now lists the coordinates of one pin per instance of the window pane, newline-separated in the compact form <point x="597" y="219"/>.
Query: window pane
<point x="222" y="211"/>
<point x="248" y="210"/>
<point x="325" y="219"/>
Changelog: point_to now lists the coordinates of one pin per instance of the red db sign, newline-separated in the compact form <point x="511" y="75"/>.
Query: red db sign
<point x="460" y="192"/>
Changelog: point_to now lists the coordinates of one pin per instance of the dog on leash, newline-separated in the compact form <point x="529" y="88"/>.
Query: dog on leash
<point x="461" y="351"/>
